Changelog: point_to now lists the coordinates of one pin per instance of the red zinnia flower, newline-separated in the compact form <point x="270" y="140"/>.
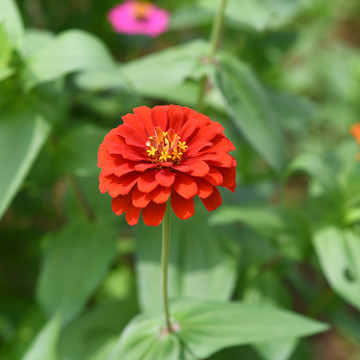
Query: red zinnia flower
<point x="355" y="131"/>
<point x="167" y="150"/>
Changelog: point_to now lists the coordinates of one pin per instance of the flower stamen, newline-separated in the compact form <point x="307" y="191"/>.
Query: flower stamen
<point x="165" y="146"/>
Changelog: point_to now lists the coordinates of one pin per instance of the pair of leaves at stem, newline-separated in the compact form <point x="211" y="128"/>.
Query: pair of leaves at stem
<point x="206" y="327"/>
<point x="202" y="329"/>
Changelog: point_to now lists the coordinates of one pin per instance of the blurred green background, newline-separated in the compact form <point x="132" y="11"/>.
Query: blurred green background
<point x="286" y="87"/>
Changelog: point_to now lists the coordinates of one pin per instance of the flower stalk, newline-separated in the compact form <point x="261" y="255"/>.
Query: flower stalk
<point x="214" y="45"/>
<point x="164" y="264"/>
<point x="217" y="28"/>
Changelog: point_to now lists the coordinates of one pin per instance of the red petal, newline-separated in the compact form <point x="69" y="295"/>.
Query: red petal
<point x="145" y="166"/>
<point x="132" y="137"/>
<point x="160" y="194"/>
<point x="214" y="177"/>
<point x="207" y="133"/>
<point x="134" y="154"/>
<point x="197" y="146"/>
<point x="176" y="120"/>
<point x="229" y="175"/>
<point x="122" y="185"/>
<point x="132" y="121"/>
<point x="205" y="189"/>
<point x="132" y="214"/>
<point x="188" y="129"/>
<point x="183" y="208"/>
<point x="185" y="185"/>
<point x="159" y="116"/>
<point x="104" y="183"/>
<point x="165" y="177"/>
<point x="213" y="201"/>
<point x="140" y="199"/>
<point x="123" y="169"/>
<point x="147" y="182"/>
<point x="120" y="204"/>
<point x="143" y="114"/>
<point x="193" y="167"/>
<point x="153" y="214"/>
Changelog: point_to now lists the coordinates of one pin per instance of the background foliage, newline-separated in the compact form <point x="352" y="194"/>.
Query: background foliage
<point x="286" y="87"/>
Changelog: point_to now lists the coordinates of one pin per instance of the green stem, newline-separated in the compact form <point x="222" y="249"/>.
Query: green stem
<point x="214" y="45"/>
<point x="164" y="264"/>
<point x="216" y="29"/>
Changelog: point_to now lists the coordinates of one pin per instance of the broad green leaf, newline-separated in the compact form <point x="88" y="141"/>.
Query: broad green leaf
<point x="44" y="345"/>
<point x="267" y="220"/>
<point x="164" y="69"/>
<point x="203" y="328"/>
<point x="202" y="263"/>
<point x="144" y="339"/>
<point x="81" y="161"/>
<point x="250" y="109"/>
<point x="35" y="40"/>
<point x="339" y="254"/>
<point x="75" y="262"/>
<point x="258" y="14"/>
<point x="103" y="80"/>
<point x="91" y="332"/>
<point x="265" y="288"/>
<point x="71" y="51"/>
<point x="207" y="327"/>
<point x="12" y="22"/>
<point x="168" y="67"/>
<point x="5" y="49"/>
<point x="5" y="73"/>
<point x="23" y="131"/>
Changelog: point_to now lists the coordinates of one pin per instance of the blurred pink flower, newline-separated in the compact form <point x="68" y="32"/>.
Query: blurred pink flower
<point x="139" y="17"/>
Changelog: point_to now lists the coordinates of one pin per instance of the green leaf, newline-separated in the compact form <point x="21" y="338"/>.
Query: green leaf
<point x="202" y="328"/>
<point x="265" y="288"/>
<point x="35" y="40"/>
<point x="250" y="109"/>
<point x="207" y="327"/>
<point x="92" y="331"/>
<point x="143" y="339"/>
<point x="267" y="220"/>
<point x="44" y="345"/>
<point x="75" y="262"/>
<point x="5" y="49"/>
<point x="71" y="51"/>
<point x="168" y="67"/>
<point x="5" y="73"/>
<point x="155" y="72"/>
<point x="81" y="161"/>
<point x="258" y="14"/>
<point x="202" y="262"/>
<point x="339" y="254"/>
<point x="12" y="22"/>
<point x="23" y="131"/>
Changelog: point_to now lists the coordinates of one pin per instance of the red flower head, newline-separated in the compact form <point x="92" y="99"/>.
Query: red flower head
<point x="167" y="150"/>
<point x="355" y="131"/>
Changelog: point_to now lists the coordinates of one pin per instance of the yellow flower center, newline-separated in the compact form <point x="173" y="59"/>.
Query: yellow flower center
<point x="165" y="146"/>
<point x="141" y="9"/>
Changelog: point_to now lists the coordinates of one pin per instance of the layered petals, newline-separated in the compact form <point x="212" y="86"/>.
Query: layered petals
<point x="167" y="152"/>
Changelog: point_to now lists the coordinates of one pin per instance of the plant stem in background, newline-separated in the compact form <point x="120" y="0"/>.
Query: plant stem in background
<point x="214" y="45"/>
<point x="164" y="263"/>
<point x="216" y="29"/>
<point x="80" y="197"/>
